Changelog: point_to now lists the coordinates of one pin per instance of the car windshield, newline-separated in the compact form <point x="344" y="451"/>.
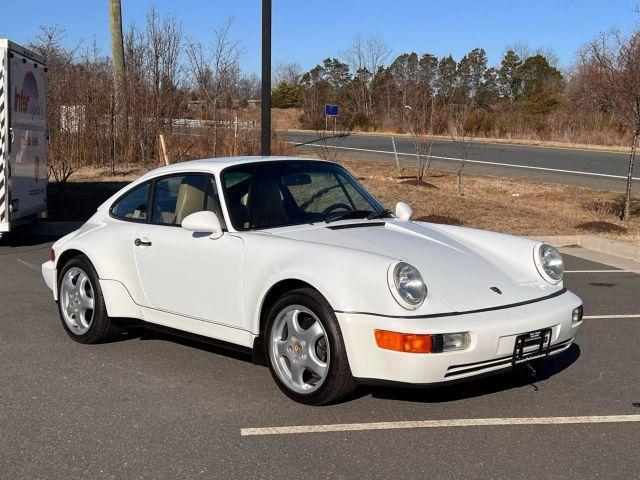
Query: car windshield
<point x="275" y="194"/>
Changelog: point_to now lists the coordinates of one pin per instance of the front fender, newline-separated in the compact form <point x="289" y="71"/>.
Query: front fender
<point x="350" y="280"/>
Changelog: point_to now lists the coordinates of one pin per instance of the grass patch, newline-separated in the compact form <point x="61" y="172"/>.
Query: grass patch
<point x="501" y="204"/>
<point x="509" y="205"/>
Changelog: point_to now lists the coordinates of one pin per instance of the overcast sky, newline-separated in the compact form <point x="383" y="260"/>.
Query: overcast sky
<point x="306" y="31"/>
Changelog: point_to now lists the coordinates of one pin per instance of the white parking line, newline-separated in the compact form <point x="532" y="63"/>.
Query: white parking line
<point x="599" y="271"/>
<point x="481" y="162"/>
<point x="28" y="265"/>
<point x="608" y="317"/>
<point x="463" y="422"/>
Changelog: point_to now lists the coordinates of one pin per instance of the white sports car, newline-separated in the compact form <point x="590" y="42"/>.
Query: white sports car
<point x="294" y="261"/>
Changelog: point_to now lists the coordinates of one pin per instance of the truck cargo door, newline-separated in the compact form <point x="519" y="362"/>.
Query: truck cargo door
<point x="27" y="143"/>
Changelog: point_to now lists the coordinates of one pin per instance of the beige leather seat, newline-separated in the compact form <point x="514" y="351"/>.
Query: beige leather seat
<point x="190" y="200"/>
<point x="213" y="205"/>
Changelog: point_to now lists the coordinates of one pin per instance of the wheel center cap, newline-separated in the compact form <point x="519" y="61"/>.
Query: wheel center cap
<point x="297" y="348"/>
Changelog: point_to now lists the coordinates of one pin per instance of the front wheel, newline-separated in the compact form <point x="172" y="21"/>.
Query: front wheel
<point x="306" y="352"/>
<point x="81" y="305"/>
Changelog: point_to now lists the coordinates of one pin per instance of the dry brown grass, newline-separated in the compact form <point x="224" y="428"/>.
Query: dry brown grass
<point x="495" y="203"/>
<point x="502" y="204"/>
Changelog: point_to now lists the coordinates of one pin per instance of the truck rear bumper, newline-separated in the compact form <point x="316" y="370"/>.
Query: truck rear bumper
<point x="49" y="275"/>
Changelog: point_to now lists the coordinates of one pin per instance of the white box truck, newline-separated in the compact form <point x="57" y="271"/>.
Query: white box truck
<point x="23" y="136"/>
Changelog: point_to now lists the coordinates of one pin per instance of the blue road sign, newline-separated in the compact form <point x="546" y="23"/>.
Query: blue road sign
<point x="331" y="110"/>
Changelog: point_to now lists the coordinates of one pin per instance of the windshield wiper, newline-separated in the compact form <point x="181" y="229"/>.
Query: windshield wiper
<point x="379" y="214"/>
<point x="348" y="214"/>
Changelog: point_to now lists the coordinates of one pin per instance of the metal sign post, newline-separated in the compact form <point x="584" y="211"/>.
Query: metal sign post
<point x="395" y="152"/>
<point x="331" y="111"/>
<point x="265" y="140"/>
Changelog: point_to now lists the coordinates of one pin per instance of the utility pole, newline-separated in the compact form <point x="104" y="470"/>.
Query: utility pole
<point x="266" y="78"/>
<point x="119" y="75"/>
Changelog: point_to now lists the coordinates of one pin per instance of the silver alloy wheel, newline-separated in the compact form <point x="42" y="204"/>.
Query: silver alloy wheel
<point x="77" y="300"/>
<point x="299" y="349"/>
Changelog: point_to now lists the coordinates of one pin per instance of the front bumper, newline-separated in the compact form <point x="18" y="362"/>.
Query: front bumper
<point x="49" y="275"/>
<point x="493" y="334"/>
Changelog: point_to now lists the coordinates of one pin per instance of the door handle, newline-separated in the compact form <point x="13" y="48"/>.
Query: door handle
<point x="139" y="243"/>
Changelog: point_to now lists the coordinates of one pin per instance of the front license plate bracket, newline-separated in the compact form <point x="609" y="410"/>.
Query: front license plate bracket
<point x="531" y="346"/>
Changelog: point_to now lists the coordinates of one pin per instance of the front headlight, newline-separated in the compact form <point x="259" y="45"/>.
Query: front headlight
<point x="406" y="285"/>
<point x="549" y="263"/>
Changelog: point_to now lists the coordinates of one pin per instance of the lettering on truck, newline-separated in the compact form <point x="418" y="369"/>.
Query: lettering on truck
<point x="26" y="100"/>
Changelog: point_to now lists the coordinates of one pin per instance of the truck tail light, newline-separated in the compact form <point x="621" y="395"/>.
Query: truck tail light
<point x="53" y="255"/>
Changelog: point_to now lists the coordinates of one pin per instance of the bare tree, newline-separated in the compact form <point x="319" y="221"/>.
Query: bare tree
<point x="330" y="141"/>
<point x="163" y="40"/>
<point x="550" y="54"/>
<point x="48" y="43"/>
<point x="366" y="58"/>
<point x="611" y="65"/>
<point x="461" y="137"/>
<point x="215" y="72"/>
<point x="521" y="49"/>
<point x="287" y="73"/>
<point x="422" y="142"/>
<point x="155" y="82"/>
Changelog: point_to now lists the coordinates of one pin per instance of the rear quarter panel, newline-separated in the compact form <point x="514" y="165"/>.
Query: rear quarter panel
<point x="108" y="243"/>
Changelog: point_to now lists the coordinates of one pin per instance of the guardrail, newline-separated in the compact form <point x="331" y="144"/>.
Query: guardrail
<point x="197" y="123"/>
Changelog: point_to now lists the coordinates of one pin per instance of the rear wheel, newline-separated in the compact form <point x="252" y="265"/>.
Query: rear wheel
<point x="306" y="352"/>
<point x="81" y="305"/>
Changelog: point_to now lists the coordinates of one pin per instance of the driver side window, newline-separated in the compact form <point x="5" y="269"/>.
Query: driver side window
<point x="178" y="196"/>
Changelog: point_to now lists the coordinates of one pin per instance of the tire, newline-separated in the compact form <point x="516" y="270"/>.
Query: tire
<point x="311" y="348"/>
<point x="83" y="324"/>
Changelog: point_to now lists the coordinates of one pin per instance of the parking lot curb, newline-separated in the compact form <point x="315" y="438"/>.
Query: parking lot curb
<point x="618" y="248"/>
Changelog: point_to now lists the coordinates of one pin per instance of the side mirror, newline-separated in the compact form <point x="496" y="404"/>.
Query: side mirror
<point x="203" y="222"/>
<point x="403" y="211"/>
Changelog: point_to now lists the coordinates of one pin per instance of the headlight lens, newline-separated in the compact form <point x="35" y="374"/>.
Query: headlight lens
<point x="407" y="286"/>
<point x="551" y="263"/>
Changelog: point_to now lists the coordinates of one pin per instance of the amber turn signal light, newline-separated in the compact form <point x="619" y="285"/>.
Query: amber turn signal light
<point x="403" y="342"/>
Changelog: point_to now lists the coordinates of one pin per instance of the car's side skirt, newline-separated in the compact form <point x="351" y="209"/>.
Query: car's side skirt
<point x="198" y="338"/>
<point x="120" y="304"/>
<point x="199" y="327"/>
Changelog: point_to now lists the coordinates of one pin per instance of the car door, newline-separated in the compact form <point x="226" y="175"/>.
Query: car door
<point x="183" y="272"/>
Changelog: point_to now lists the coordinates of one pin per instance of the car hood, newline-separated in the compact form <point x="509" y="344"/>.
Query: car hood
<point x="461" y="275"/>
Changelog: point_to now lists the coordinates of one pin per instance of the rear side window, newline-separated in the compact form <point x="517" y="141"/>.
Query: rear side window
<point x="133" y="206"/>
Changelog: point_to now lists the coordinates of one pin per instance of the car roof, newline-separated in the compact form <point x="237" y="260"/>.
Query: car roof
<point x="216" y="165"/>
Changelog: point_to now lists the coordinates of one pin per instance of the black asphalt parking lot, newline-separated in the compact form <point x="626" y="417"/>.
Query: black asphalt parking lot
<point x="154" y="406"/>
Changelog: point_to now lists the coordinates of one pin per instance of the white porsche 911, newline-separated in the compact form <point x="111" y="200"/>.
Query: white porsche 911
<point x="293" y="260"/>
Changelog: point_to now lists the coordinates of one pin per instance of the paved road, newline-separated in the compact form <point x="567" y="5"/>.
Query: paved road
<point x="151" y="406"/>
<point x="602" y="170"/>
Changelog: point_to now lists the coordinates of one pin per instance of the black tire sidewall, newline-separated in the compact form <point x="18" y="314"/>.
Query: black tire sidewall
<point x="338" y="356"/>
<point x="95" y="332"/>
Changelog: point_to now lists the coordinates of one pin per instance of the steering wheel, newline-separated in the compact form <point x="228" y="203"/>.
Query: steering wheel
<point x="335" y="206"/>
